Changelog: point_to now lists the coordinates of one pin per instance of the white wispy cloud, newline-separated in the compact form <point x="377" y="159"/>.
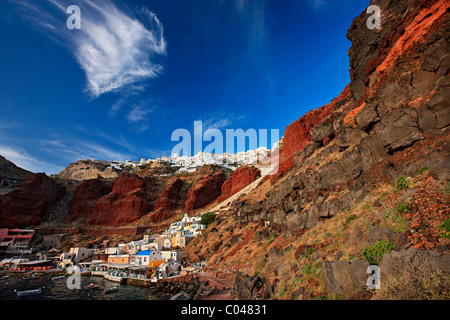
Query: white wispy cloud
<point x="216" y="123"/>
<point x="116" y="48"/>
<point x="77" y="149"/>
<point x="138" y="116"/>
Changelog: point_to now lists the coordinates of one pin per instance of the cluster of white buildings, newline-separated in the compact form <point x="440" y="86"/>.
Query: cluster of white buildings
<point x="191" y="163"/>
<point x="151" y="258"/>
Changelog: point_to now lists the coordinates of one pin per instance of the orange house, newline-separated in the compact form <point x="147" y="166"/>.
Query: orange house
<point x="119" y="259"/>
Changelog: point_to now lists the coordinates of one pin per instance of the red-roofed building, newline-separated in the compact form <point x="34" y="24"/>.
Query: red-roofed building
<point x="14" y="241"/>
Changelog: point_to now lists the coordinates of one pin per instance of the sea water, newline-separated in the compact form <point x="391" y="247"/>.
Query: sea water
<point x="57" y="289"/>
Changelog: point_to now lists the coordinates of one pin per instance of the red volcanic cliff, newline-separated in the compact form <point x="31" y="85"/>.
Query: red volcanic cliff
<point x="298" y="134"/>
<point x="204" y="191"/>
<point x="241" y="178"/>
<point x="169" y="201"/>
<point x="25" y="206"/>
<point x="170" y="197"/>
<point x="86" y="196"/>
<point x="131" y="198"/>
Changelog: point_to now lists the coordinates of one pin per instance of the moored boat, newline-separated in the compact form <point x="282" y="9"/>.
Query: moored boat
<point x="28" y="293"/>
<point x="112" y="289"/>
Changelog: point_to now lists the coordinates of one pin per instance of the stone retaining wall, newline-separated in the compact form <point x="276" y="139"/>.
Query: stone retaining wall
<point x="189" y="277"/>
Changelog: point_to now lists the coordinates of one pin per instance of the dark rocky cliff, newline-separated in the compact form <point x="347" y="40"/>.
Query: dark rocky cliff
<point x="389" y="123"/>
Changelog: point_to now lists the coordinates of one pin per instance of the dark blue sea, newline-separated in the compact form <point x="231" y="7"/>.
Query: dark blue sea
<point x="58" y="289"/>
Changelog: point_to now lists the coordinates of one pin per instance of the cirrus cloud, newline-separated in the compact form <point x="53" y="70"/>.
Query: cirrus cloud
<point x="115" y="47"/>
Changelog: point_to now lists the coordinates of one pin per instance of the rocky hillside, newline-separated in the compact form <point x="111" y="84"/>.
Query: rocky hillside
<point x="359" y="177"/>
<point x="93" y="193"/>
<point x="11" y="175"/>
<point x="26" y="205"/>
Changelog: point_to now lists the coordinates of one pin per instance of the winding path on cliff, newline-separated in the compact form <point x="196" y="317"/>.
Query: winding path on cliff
<point x="222" y="294"/>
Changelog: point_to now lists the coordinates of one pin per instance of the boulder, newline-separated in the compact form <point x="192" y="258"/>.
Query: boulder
<point x="348" y="137"/>
<point x="414" y="261"/>
<point x="367" y="117"/>
<point x="392" y="95"/>
<point x="401" y="129"/>
<point x="343" y="277"/>
<point x="321" y="131"/>
<point x="379" y="234"/>
<point x="181" y="296"/>
<point x="424" y="81"/>
<point x="247" y="287"/>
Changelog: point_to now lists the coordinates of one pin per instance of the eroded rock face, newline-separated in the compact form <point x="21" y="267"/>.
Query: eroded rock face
<point x="87" y="170"/>
<point x="240" y="179"/>
<point x="131" y="198"/>
<point x="394" y="121"/>
<point x="26" y="206"/>
<point x="313" y="126"/>
<point x="398" y="99"/>
<point x="170" y="197"/>
<point x="9" y="171"/>
<point x="86" y="196"/>
<point x="204" y="191"/>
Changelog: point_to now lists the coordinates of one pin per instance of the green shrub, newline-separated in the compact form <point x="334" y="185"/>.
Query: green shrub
<point x="402" y="183"/>
<point x="349" y="219"/>
<point x="395" y="221"/>
<point x="423" y="169"/>
<point x="402" y="208"/>
<point x="208" y="218"/>
<point x="368" y="207"/>
<point x="445" y="227"/>
<point x="383" y="195"/>
<point x="446" y="189"/>
<point x="373" y="254"/>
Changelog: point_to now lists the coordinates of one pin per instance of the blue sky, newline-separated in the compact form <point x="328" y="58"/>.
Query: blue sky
<point x="138" y="70"/>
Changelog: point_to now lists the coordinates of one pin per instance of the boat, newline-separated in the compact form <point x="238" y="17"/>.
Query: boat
<point x="59" y="277"/>
<point x="4" y="277"/>
<point x="28" y="293"/>
<point x="91" y="287"/>
<point x="118" y="279"/>
<point x="112" y="289"/>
